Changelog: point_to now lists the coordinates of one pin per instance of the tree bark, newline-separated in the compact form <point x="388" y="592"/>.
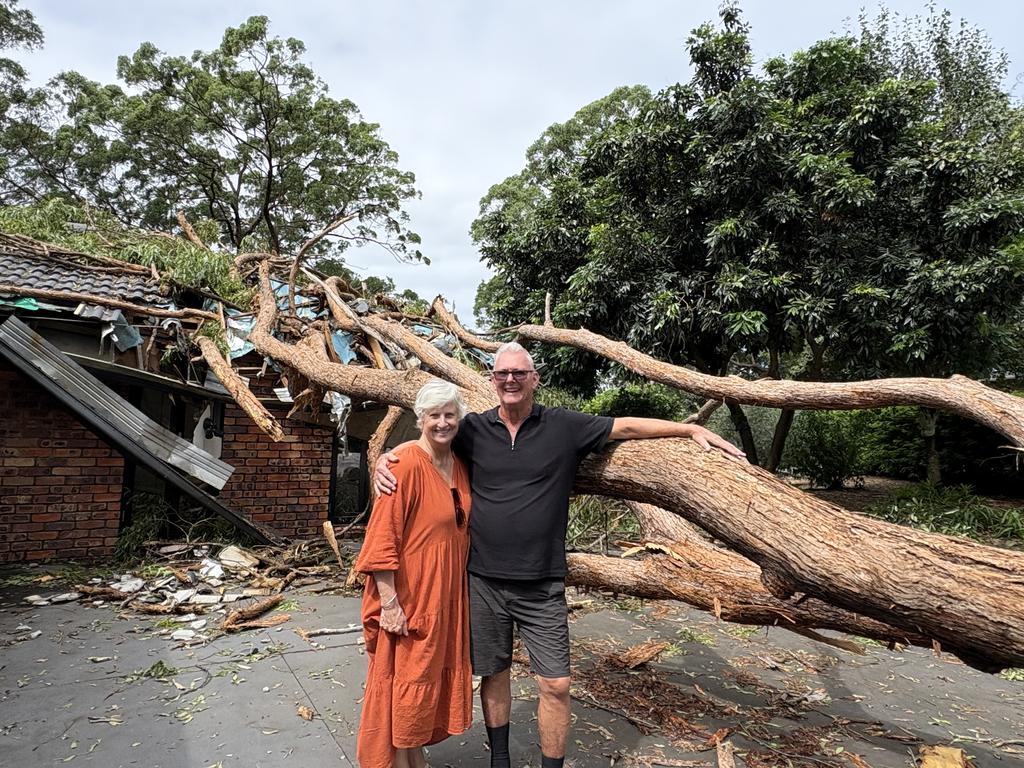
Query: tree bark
<point x="242" y="395"/>
<point x="742" y="424"/>
<point x="968" y="597"/>
<point x="929" y="420"/>
<point x="782" y="428"/>
<point x="965" y="397"/>
<point x="449" y="321"/>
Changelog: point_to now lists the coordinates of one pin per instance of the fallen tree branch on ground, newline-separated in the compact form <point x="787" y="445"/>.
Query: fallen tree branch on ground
<point x="692" y="569"/>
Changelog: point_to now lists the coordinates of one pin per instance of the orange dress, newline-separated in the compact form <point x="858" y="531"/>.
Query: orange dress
<point x="419" y="687"/>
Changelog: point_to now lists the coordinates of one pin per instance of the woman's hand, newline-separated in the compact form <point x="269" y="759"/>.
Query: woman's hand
<point x="392" y="619"/>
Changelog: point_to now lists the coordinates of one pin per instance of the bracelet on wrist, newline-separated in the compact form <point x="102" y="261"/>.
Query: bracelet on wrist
<point x="390" y="602"/>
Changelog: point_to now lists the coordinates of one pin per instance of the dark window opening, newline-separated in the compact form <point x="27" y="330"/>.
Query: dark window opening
<point x="350" y="487"/>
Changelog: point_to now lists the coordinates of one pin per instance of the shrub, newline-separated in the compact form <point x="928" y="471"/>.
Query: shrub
<point x="555" y="397"/>
<point x="825" y="447"/>
<point x="649" y="400"/>
<point x="953" y="510"/>
<point x="891" y="443"/>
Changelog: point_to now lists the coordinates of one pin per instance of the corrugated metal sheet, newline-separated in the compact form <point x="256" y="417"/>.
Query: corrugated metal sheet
<point x="127" y="420"/>
<point x="121" y="424"/>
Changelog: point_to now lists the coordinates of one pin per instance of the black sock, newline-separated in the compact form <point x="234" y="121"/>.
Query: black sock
<point x="497" y="737"/>
<point x="551" y="762"/>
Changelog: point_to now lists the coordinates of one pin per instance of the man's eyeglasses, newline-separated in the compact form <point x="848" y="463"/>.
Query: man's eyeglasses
<point x="506" y="375"/>
<point x="460" y="513"/>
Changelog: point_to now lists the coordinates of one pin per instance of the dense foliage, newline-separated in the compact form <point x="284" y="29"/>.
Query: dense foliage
<point x="953" y="510"/>
<point x="97" y="233"/>
<point x="244" y="135"/>
<point x="852" y="210"/>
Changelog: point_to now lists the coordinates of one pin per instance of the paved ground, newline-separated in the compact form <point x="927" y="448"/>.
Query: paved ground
<point x="78" y="693"/>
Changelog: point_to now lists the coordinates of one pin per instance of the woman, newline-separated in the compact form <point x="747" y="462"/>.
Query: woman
<point x="415" y="611"/>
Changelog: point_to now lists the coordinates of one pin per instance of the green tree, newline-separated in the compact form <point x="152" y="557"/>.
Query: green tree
<point x="245" y="135"/>
<point x="18" y="30"/>
<point x="836" y="215"/>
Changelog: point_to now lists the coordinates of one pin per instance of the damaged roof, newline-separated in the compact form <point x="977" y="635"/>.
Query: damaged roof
<point x="28" y="264"/>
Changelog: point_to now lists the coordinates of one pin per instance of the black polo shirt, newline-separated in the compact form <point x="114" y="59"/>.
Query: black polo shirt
<point x="521" y="490"/>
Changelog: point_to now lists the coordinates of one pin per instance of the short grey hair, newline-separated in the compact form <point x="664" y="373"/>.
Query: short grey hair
<point x="436" y="393"/>
<point x="513" y="346"/>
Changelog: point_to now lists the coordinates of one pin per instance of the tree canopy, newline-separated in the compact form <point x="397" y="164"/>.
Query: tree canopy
<point x="244" y="135"/>
<point x="853" y="209"/>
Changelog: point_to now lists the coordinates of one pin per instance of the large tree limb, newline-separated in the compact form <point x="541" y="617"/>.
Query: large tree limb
<point x="392" y="387"/>
<point x="242" y="395"/>
<point x="449" y="321"/>
<point x="695" y="570"/>
<point x="190" y="233"/>
<point x="443" y="365"/>
<point x="997" y="410"/>
<point x="293" y="273"/>
<point x="736" y="599"/>
<point x="967" y="596"/>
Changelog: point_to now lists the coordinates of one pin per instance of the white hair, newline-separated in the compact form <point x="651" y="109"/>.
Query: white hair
<point x="436" y="393"/>
<point x="512" y="346"/>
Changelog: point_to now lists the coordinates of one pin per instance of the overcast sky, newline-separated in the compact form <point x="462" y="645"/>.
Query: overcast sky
<point x="461" y="88"/>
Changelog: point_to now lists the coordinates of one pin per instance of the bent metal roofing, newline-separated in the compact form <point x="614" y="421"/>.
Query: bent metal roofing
<point x="122" y="425"/>
<point x="28" y="264"/>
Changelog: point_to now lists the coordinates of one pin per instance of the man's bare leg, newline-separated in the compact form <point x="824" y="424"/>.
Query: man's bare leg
<point x="496" y="699"/>
<point x="553" y="714"/>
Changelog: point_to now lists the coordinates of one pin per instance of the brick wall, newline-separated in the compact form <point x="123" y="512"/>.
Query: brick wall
<point x="285" y="485"/>
<point x="60" y="485"/>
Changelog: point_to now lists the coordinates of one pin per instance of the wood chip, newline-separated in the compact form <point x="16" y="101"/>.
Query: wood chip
<point x="640" y="654"/>
<point x="942" y="757"/>
<point x="725" y="756"/>
<point x="305" y="712"/>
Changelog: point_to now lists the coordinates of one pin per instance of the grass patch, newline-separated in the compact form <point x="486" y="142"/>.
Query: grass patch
<point x="1013" y="674"/>
<point x="869" y="642"/>
<point x="288" y="605"/>
<point x="953" y="510"/>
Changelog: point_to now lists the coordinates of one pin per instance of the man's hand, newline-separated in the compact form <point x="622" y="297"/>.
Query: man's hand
<point x="709" y="441"/>
<point x="383" y="481"/>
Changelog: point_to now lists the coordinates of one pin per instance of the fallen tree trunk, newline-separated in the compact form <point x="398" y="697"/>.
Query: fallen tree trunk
<point x="965" y="397"/>
<point x="682" y="565"/>
<point x="966" y="596"/>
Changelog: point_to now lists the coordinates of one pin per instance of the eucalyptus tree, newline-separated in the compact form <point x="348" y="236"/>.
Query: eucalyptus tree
<point x="245" y="135"/>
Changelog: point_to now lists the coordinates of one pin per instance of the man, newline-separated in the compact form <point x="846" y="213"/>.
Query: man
<point x="523" y="459"/>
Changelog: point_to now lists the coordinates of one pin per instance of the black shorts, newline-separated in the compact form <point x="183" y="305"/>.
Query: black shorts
<point x="537" y="608"/>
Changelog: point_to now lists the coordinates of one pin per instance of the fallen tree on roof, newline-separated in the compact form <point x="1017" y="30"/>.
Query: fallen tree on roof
<point x="819" y="566"/>
<point x="959" y="596"/>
